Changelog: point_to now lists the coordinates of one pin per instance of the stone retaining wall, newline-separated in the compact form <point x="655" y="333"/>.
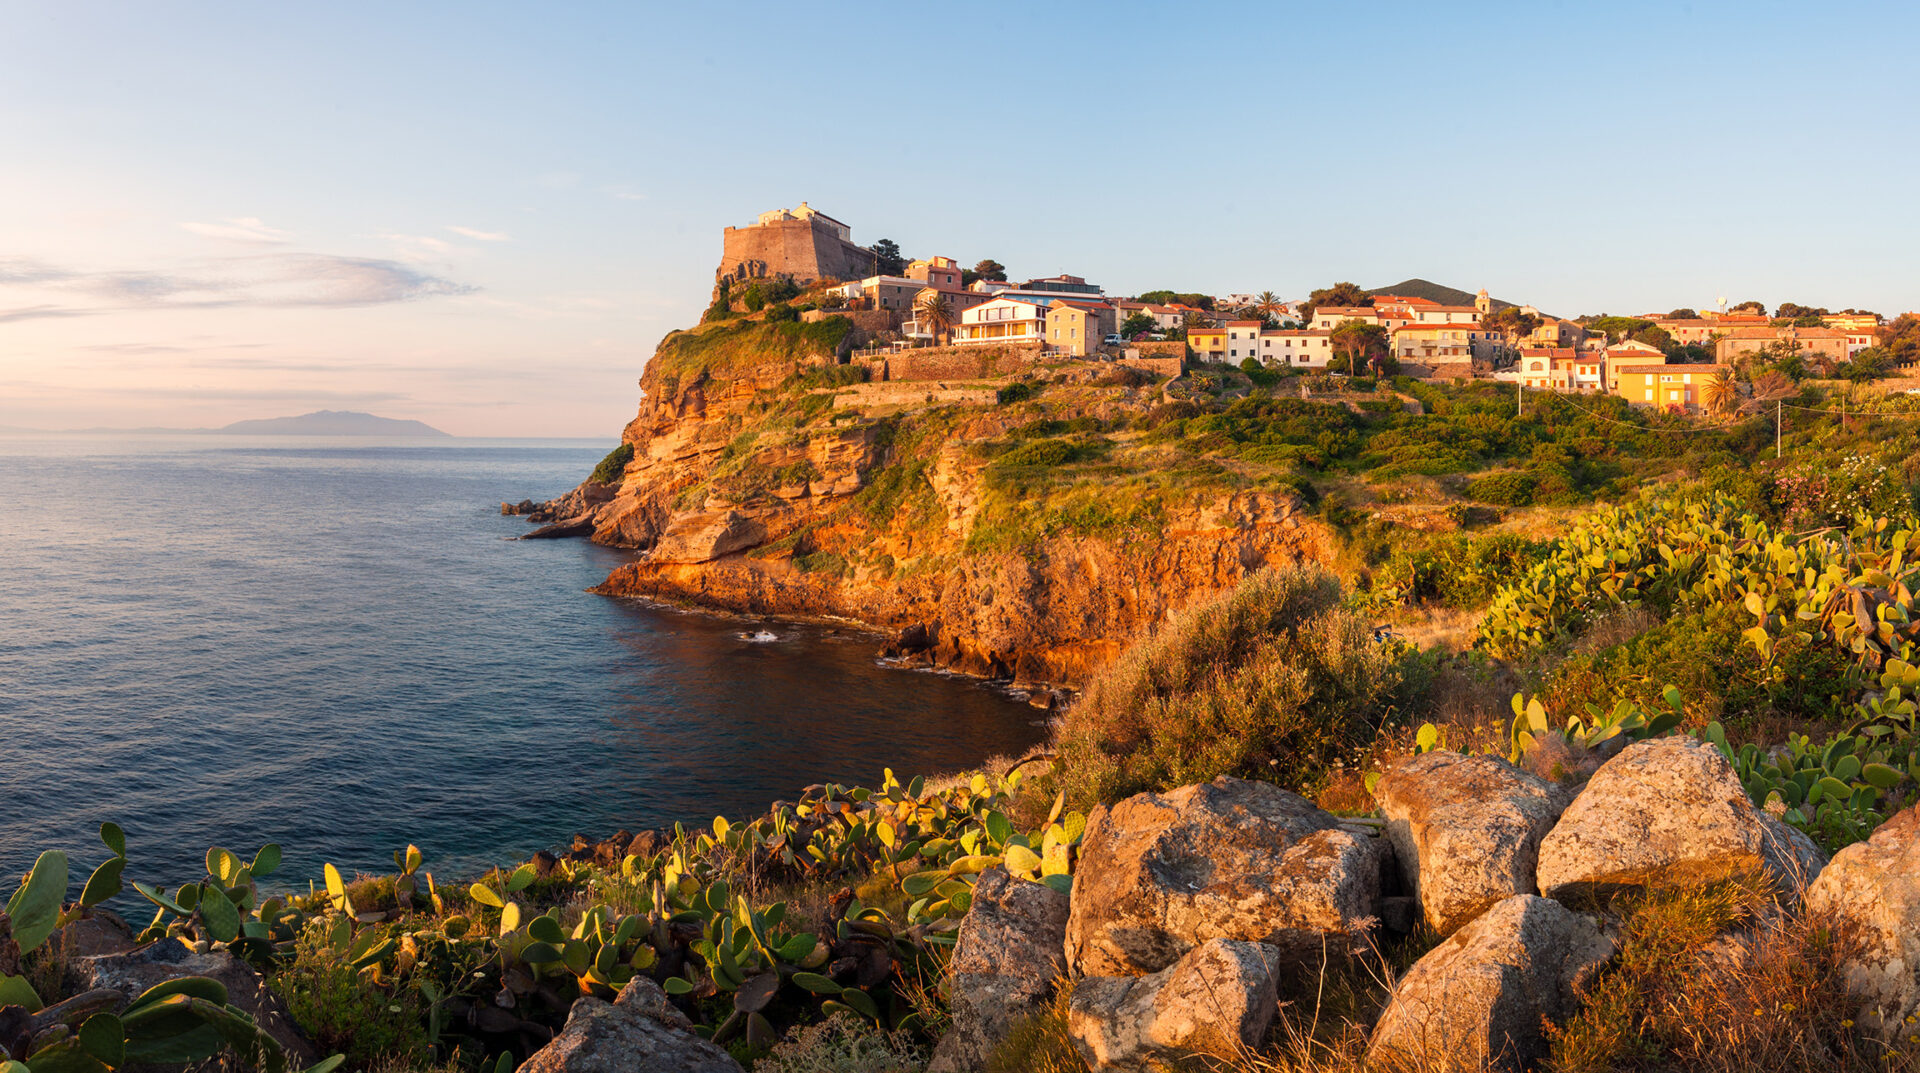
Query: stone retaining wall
<point x="962" y="362"/>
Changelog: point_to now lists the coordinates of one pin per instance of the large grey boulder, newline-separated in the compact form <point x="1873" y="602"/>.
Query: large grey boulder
<point x="1666" y="812"/>
<point x="1477" y="1001"/>
<point x="133" y="972"/>
<point x="1466" y="831"/>
<point x="1217" y="1000"/>
<point x="1230" y="859"/>
<point x="1009" y="953"/>
<point x="1872" y="889"/>
<point x="638" y="1030"/>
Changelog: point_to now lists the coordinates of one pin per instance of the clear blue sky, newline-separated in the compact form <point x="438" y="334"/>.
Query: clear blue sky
<point x="485" y="215"/>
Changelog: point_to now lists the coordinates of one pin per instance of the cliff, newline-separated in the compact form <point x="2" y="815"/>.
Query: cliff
<point x="1023" y="527"/>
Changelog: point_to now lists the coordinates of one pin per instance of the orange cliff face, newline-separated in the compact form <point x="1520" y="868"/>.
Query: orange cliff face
<point x="751" y="493"/>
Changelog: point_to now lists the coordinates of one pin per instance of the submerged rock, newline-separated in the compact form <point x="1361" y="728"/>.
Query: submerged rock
<point x="1477" y="1001"/>
<point x="1217" y="1000"/>
<point x="1004" y="966"/>
<point x="1466" y="831"/>
<point x="639" y="1030"/>
<point x="1669" y="811"/>
<point x="1872" y="889"/>
<point x="1231" y="859"/>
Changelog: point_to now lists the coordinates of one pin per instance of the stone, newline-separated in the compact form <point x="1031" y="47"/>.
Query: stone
<point x="638" y="1030"/>
<point x="1009" y="953"/>
<point x="705" y="536"/>
<point x="1476" y="1001"/>
<point x="1667" y="812"/>
<point x="577" y="526"/>
<point x="1217" y="1000"/>
<point x="1466" y="831"/>
<point x="1230" y="859"/>
<point x="1872" y="890"/>
<point x="133" y="972"/>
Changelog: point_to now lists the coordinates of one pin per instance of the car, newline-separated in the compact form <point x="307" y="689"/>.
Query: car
<point x="1113" y="340"/>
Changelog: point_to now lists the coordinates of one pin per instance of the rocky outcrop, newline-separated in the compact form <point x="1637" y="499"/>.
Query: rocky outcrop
<point x="1466" y="831"/>
<point x="1477" y="1001"/>
<point x="639" y="1030"/>
<point x="1669" y="812"/>
<point x="1162" y="873"/>
<point x="1004" y="966"/>
<point x="700" y="538"/>
<point x="1872" y="889"/>
<point x="733" y="503"/>
<point x="1217" y="1001"/>
<point x="133" y="972"/>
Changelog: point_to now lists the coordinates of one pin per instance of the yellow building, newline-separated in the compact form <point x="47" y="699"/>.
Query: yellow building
<point x="1077" y="328"/>
<point x="1208" y="344"/>
<point x="1681" y="387"/>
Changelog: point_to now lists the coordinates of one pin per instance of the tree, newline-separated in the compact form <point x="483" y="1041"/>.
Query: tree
<point x="934" y="313"/>
<point x="1654" y="337"/>
<point x="1751" y="307"/>
<point x="1795" y="311"/>
<point x="990" y="269"/>
<point x="1269" y="306"/>
<point x="1722" y="394"/>
<point x="1684" y="313"/>
<point x="1772" y="387"/>
<point x="1359" y="342"/>
<point x="1138" y="324"/>
<point x="1869" y="364"/>
<point x="887" y="259"/>
<point x="1511" y="323"/>
<point x="1340" y="294"/>
<point x="1618" y="328"/>
<point x="1901" y="339"/>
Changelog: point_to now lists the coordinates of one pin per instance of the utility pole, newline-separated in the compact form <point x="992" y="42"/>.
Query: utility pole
<point x="1777" y="403"/>
<point x="1518" y="387"/>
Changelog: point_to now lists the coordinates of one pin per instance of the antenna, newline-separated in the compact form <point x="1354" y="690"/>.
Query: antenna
<point x="1723" y="303"/>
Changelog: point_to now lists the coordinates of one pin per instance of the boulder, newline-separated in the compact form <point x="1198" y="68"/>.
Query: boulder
<point x="576" y="526"/>
<point x="101" y="932"/>
<point x="1217" y="1000"/>
<point x="132" y="972"/>
<point x="1477" y="1000"/>
<point x="707" y="535"/>
<point x="1669" y="811"/>
<point x="1872" y="889"/>
<point x="1466" y="831"/>
<point x="638" y="1030"/>
<point x="1004" y="966"/>
<point x="1230" y="859"/>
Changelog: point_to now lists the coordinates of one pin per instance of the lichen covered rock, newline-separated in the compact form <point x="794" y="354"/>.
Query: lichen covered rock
<point x="1872" y="888"/>
<point x="1004" y="966"/>
<point x="1162" y="873"/>
<point x="639" y="1030"/>
<point x="1466" y="831"/>
<point x="1477" y="1001"/>
<point x="1669" y="812"/>
<point x="1217" y="1000"/>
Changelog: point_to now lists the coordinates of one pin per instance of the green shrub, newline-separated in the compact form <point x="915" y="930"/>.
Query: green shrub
<point x="1039" y="453"/>
<point x="1019" y="391"/>
<point x="1504" y="489"/>
<point x="781" y="312"/>
<point x="344" y="1010"/>
<point x="612" y="466"/>
<point x="843" y="1043"/>
<point x="1274" y="680"/>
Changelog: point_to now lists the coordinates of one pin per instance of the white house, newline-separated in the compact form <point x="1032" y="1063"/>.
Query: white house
<point x="1002" y="320"/>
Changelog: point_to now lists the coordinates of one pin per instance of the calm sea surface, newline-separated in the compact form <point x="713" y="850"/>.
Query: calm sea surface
<point x="334" y="646"/>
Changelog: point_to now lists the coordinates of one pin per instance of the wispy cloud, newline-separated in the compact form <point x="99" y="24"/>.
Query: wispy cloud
<point x="623" y="193"/>
<point x="273" y="280"/>
<point x="474" y="233"/>
<point x="247" y="229"/>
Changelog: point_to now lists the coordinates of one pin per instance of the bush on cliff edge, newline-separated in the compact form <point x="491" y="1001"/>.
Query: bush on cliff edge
<point x="1274" y="680"/>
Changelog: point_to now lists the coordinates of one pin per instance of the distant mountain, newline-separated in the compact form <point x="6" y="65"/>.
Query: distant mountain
<point x="1435" y="292"/>
<point x="331" y="423"/>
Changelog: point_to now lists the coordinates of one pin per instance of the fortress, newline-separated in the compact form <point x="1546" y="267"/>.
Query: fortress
<point x="803" y="243"/>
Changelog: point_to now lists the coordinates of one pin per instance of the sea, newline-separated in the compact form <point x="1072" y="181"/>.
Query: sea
<point x="338" y="646"/>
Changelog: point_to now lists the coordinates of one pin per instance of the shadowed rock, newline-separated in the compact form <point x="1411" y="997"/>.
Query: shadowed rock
<point x="639" y="1030"/>
<point x="1217" y="1000"/>
<point x="1873" y="889"/>
<point x="1004" y="966"/>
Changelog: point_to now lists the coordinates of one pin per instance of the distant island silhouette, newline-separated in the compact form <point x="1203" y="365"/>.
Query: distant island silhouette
<point x="317" y="423"/>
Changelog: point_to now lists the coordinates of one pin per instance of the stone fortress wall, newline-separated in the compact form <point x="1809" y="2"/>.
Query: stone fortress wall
<point x="805" y="248"/>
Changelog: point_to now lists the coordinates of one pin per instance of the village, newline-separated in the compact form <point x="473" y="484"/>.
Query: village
<point x="1684" y="360"/>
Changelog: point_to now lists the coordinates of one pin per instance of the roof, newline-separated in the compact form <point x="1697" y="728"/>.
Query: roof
<point x="1671" y="367"/>
<point x="1786" y="333"/>
<point x="1244" y="323"/>
<point x="1345" y="309"/>
<point x="1547" y="351"/>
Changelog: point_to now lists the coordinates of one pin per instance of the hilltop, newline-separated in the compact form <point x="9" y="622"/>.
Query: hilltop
<point x="332" y="423"/>
<point x="1435" y="292"/>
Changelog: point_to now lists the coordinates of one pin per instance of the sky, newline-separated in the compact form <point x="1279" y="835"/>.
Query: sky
<point x="485" y="216"/>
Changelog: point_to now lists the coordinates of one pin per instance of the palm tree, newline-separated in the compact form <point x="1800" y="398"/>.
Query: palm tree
<point x="1268" y="304"/>
<point x="1723" y="394"/>
<point x="934" y="313"/>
